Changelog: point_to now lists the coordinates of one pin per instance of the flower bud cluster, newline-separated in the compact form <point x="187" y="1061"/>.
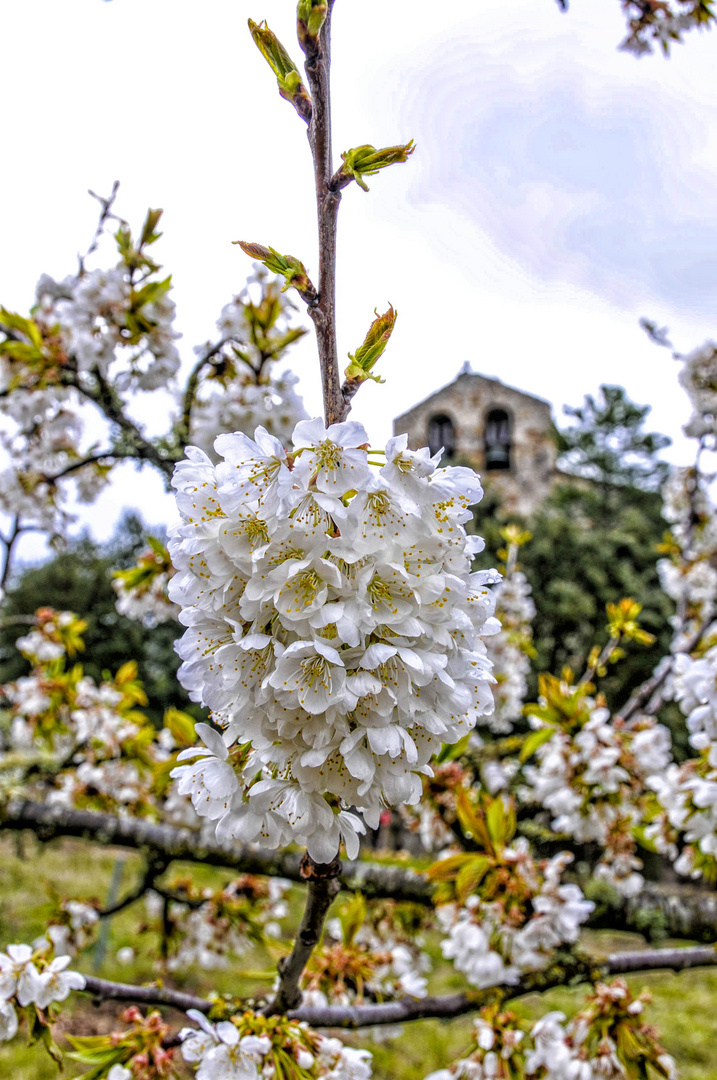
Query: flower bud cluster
<point x="607" y="1038"/>
<point x="496" y="941"/>
<point x="366" y="954"/>
<point x="28" y="977"/>
<point x="252" y="1047"/>
<point x="334" y="628"/>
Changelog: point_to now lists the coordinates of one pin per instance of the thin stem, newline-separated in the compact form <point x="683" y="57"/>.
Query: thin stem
<point x="113" y="407"/>
<point x="601" y="660"/>
<point x="105" y="214"/>
<point x="192" y="386"/>
<point x="323" y="887"/>
<point x="323" y="313"/>
<point x="91" y="459"/>
<point x="15" y="531"/>
<point x="154" y="869"/>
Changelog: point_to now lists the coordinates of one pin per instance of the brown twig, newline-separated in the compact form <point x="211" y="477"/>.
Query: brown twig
<point x="322" y="888"/>
<point x="155" y="868"/>
<point x="9" y="543"/>
<point x="192" y="386"/>
<point x="105" y="214"/>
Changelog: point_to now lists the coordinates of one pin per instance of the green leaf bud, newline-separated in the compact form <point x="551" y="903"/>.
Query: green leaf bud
<point x="310" y="17"/>
<point x="293" y="271"/>
<point x="287" y="74"/>
<point x="376" y="340"/>
<point x="367" y="160"/>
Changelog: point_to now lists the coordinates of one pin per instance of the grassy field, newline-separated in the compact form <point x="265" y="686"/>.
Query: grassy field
<point x="684" y="1006"/>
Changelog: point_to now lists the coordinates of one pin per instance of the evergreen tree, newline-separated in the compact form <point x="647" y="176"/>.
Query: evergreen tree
<point x="595" y="539"/>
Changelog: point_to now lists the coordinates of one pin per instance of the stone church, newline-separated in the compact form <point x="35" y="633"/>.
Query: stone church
<point x="504" y="434"/>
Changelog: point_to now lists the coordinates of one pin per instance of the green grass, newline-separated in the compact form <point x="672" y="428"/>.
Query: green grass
<point x="684" y="1006"/>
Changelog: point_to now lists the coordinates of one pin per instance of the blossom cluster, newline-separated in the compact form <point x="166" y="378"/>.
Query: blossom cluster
<point x="43" y="438"/>
<point x="687" y="793"/>
<point x="698" y="377"/>
<point x="662" y="23"/>
<point x="97" y="313"/>
<point x="250" y="1046"/>
<point x="511" y="649"/>
<point x="71" y="928"/>
<point x="95" y="335"/>
<point x="241" y="391"/>
<point x="687" y="573"/>
<point x="495" y="940"/>
<point x="607" y="1038"/>
<point x="334" y="628"/>
<point x="244" y="405"/>
<point x="90" y="343"/>
<point x="90" y="745"/>
<point x="591" y="775"/>
<point x="209" y="928"/>
<point x="29" y="977"/>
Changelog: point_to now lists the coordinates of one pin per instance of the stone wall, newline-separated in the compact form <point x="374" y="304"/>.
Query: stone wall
<point x="467" y="401"/>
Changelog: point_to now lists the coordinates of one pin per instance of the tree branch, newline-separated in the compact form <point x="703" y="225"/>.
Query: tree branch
<point x="183" y="844"/>
<point x="685" y="911"/>
<point x="106" y="990"/>
<point x="323" y="314"/>
<point x="570" y="971"/>
<point x="112" y="406"/>
<point x="9" y="544"/>
<point x="322" y="888"/>
<point x="91" y="459"/>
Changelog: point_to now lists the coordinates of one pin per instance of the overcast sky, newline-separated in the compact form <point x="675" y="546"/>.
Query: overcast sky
<point x="560" y="189"/>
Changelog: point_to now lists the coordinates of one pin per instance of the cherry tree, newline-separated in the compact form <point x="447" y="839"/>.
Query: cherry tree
<point x="351" y="660"/>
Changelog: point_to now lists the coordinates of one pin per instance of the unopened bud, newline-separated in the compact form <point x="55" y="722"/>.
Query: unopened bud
<point x="293" y="271"/>
<point x="310" y="17"/>
<point x="376" y="340"/>
<point x="367" y="160"/>
<point x="287" y="74"/>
